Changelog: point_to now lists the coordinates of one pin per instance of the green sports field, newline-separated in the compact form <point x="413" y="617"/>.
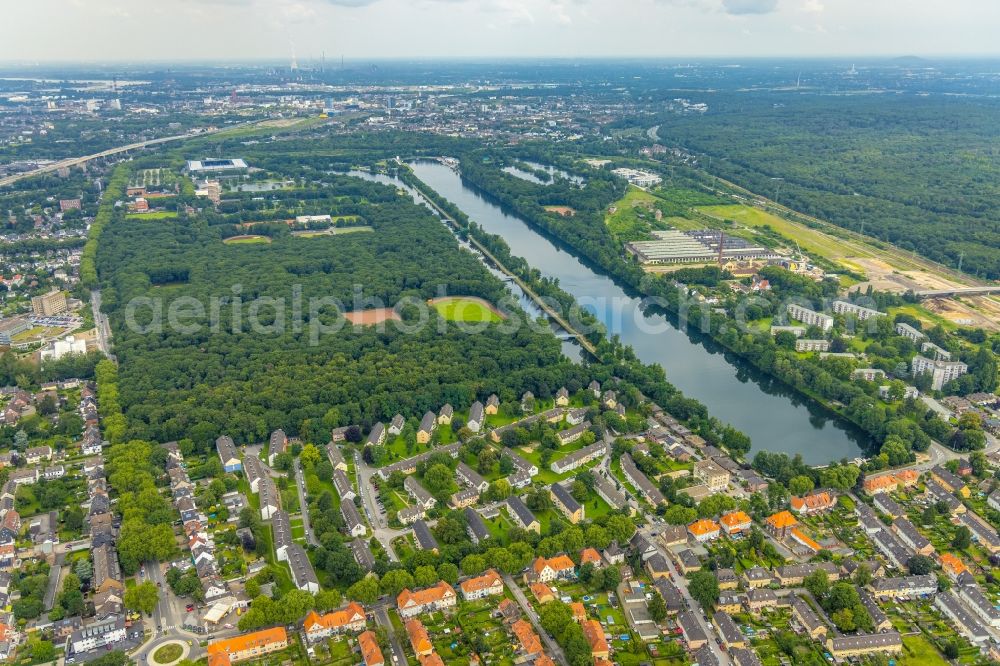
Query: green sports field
<point x="466" y="309"/>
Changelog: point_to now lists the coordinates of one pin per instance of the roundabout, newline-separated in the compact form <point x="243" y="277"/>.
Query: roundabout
<point x="169" y="652"/>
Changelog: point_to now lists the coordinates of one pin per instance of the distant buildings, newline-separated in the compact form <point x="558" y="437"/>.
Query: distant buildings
<point x="50" y="304"/>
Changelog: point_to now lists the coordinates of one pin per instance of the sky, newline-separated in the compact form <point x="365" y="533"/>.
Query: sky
<point x="103" y="30"/>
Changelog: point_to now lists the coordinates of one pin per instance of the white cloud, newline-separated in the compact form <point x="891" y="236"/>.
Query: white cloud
<point x="740" y="7"/>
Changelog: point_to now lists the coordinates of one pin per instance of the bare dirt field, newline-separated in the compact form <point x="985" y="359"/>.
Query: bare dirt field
<point x="884" y="277"/>
<point x="371" y="316"/>
<point x="565" y="211"/>
<point x="976" y="311"/>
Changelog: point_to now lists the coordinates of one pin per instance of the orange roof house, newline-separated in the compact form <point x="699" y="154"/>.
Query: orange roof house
<point x="490" y="583"/>
<point x="247" y="646"/>
<point x="780" y="523"/>
<point x="545" y="570"/>
<point x="594" y="633"/>
<point x="432" y="598"/>
<point x="813" y="503"/>
<point x="804" y="539"/>
<point x="735" y="522"/>
<point x="886" y="483"/>
<point x="542" y="592"/>
<point x="370" y="650"/>
<point x="530" y="643"/>
<point x="432" y="659"/>
<point x="579" y="612"/>
<point x="420" y="641"/>
<point x="590" y="556"/>
<point x="704" y="529"/>
<point x="952" y="565"/>
<point x="349" y="618"/>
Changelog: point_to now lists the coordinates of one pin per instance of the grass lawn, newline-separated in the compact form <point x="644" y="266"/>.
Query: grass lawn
<point x="155" y="215"/>
<point x="810" y="240"/>
<point x="332" y="231"/>
<point x="247" y="240"/>
<point x="633" y="218"/>
<point x="918" y="651"/>
<point x="469" y="309"/>
<point x="167" y="654"/>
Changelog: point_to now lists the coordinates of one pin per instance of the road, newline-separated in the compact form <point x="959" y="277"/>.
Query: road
<point x="382" y="618"/>
<point x="551" y="647"/>
<point x="77" y="161"/>
<point x="101" y="326"/>
<point x="55" y="581"/>
<point x="168" y="614"/>
<point x="380" y="526"/>
<point x="300" y="484"/>
<point x="681" y="582"/>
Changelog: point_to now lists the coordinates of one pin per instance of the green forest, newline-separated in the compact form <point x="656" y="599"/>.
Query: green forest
<point x="200" y="384"/>
<point x="921" y="173"/>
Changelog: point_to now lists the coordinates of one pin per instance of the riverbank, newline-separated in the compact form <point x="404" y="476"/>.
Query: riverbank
<point x="774" y="415"/>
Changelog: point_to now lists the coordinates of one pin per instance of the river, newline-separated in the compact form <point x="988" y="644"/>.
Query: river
<point x="774" y="416"/>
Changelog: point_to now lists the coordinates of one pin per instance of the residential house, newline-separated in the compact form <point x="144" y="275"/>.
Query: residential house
<point x="349" y="618"/>
<point x="303" y="574"/>
<point x="438" y="597"/>
<point x="813" y="503"/>
<point x="573" y="433"/>
<point x="579" y="458"/>
<point x="396" y="425"/>
<point x="712" y="475"/>
<point x="370" y="651"/>
<point x="377" y="435"/>
<point x="545" y="570"/>
<point x="566" y="503"/>
<point x="646" y="488"/>
<point x="471" y="477"/>
<point x="445" y="415"/>
<point x="492" y="404"/>
<point x="691" y="630"/>
<point x="704" y="530"/>
<point x="423" y="537"/>
<point x="353" y="523"/>
<point x="857" y="645"/>
<point x="521" y="515"/>
<point x="420" y="641"/>
<point x="807" y="618"/>
<point x="780" y="524"/>
<point x="488" y="584"/>
<point x="247" y="646"/>
<point x="476" y="417"/>
<point x="475" y="526"/>
<point x="418" y="493"/>
<point x="735" y="523"/>
<point x="426" y="429"/>
<point x="277" y="445"/>
<point x="226" y="449"/>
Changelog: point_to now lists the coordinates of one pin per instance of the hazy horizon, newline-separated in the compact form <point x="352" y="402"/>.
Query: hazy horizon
<point x="276" y="30"/>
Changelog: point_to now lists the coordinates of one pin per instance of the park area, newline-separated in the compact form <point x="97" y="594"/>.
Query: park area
<point x="467" y="309"/>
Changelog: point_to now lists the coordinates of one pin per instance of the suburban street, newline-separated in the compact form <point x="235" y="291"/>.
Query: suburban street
<point x="382" y="618"/>
<point x="379" y="525"/>
<point x="300" y="484"/>
<point x="682" y="584"/>
<point x="552" y="648"/>
<point x="101" y="327"/>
